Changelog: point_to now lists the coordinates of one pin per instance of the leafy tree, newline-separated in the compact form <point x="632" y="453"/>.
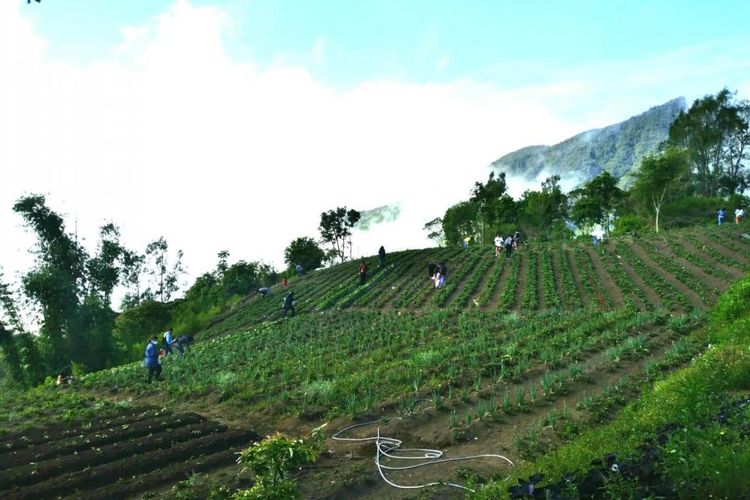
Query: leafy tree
<point x="71" y="291"/>
<point x="435" y="232"/>
<point x="714" y="133"/>
<point x="11" y="356"/>
<point x="160" y="267"/>
<point x="488" y="200"/>
<point x="659" y="179"/>
<point x="459" y="222"/>
<point x="544" y="212"/>
<point x="304" y="251"/>
<point x="335" y="229"/>
<point x="595" y="201"/>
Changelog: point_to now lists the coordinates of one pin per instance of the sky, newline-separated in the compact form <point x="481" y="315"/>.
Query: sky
<point x="231" y="125"/>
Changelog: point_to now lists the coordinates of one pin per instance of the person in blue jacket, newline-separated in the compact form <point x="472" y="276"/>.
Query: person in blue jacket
<point x="168" y="341"/>
<point x="152" y="359"/>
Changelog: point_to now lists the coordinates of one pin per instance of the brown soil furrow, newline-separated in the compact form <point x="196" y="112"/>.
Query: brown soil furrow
<point x="483" y="282"/>
<point x="585" y="299"/>
<point x="712" y="280"/>
<point x="742" y="261"/>
<point x="651" y="295"/>
<point x="495" y="296"/>
<point x="36" y="472"/>
<point x="540" y="304"/>
<point x="30" y="437"/>
<point x="556" y="272"/>
<point x="102" y="475"/>
<point x="430" y="428"/>
<point x="708" y="255"/>
<point x="98" y="439"/>
<point x="605" y="283"/>
<point x="694" y="298"/>
<point x="522" y="277"/>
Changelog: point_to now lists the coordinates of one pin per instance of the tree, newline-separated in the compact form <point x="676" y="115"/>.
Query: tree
<point x="595" y="201"/>
<point x="460" y="221"/>
<point x="160" y="267"/>
<point x="435" y="232"/>
<point x="714" y="133"/>
<point x="335" y="229"/>
<point x="304" y="251"/>
<point x="488" y="200"/>
<point x="544" y="212"/>
<point x="659" y="178"/>
<point x="71" y="290"/>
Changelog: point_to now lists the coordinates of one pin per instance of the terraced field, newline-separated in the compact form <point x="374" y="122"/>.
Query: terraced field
<point x="678" y="271"/>
<point x="511" y="357"/>
<point x="135" y="450"/>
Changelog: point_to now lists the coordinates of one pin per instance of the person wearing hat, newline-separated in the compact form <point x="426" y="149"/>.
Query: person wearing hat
<point x="152" y="359"/>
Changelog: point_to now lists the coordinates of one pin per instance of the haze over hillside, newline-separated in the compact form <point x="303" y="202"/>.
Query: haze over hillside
<point x="616" y="148"/>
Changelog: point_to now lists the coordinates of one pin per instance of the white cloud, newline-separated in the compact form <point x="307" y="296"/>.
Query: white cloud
<point x="171" y="136"/>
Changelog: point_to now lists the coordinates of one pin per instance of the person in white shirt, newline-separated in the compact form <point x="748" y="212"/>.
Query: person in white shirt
<point x="498" y="245"/>
<point x="739" y="214"/>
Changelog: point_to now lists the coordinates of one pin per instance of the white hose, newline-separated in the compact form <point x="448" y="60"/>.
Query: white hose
<point x="385" y="447"/>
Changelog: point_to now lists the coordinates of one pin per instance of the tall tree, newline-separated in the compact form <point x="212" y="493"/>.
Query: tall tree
<point x="165" y="272"/>
<point x="714" y="133"/>
<point x="435" y="232"/>
<point x="595" y="201"/>
<point x="304" y="251"/>
<point x="459" y="222"/>
<point x="488" y="199"/>
<point x="335" y="229"/>
<point x="542" y="213"/>
<point x="659" y="179"/>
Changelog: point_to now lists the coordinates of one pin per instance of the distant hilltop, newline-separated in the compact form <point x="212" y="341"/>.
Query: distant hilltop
<point x="617" y="149"/>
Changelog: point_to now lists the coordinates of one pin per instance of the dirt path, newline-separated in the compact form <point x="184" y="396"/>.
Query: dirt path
<point x="742" y="260"/>
<point x="712" y="280"/>
<point x="586" y="299"/>
<point x="694" y="299"/>
<point x="649" y="292"/>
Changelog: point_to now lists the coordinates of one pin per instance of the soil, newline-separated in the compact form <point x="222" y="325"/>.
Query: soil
<point x="605" y="281"/>
<point x="693" y="297"/>
<point x="522" y="278"/>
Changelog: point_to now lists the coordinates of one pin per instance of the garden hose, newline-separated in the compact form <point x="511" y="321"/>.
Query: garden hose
<point x="391" y="448"/>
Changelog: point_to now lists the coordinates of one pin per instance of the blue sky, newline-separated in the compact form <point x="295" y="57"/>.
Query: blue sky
<point x="419" y="40"/>
<point x="233" y="124"/>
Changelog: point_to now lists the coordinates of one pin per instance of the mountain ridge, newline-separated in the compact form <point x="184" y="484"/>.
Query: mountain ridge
<point x="616" y="148"/>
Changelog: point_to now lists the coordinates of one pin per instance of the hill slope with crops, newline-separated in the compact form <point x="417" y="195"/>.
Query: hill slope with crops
<point x="517" y="357"/>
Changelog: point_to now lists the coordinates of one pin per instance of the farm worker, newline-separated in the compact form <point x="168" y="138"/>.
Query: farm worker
<point x="300" y="270"/>
<point x="263" y="291"/>
<point x="596" y="236"/>
<point x="381" y="254"/>
<point x="168" y="341"/>
<point x="183" y="343"/>
<point x="288" y="304"/>
<point x="152" y="359"/>
<point x="362" y="272"/>
<point x="466" y="242"/>
<point x="739" y="214"/>
<point x="721" y="215"/>
<point x="441" y="274"/>
<point x="498" y="244"/>
<point x="516" y="239"/>
<point x="508" y="247"/>
<point x="431" y="270"/>
<point x="284" y="281"/>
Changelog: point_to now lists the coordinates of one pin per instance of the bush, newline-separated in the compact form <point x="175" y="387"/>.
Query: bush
<point x="629" y="224"/>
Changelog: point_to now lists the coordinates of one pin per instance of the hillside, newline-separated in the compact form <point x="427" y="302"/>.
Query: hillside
<point x="512" y="357"/>
<point x="616" y="148"/>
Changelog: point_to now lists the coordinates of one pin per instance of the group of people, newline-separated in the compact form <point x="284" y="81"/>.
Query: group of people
<point x="739" y="215"/>
<point x="154" y="353"/>
<point x="508" y="243"/>
<point x="437" y="273"/>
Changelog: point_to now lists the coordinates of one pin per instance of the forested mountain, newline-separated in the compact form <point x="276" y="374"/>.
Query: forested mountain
<point x="616" y="148"/>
